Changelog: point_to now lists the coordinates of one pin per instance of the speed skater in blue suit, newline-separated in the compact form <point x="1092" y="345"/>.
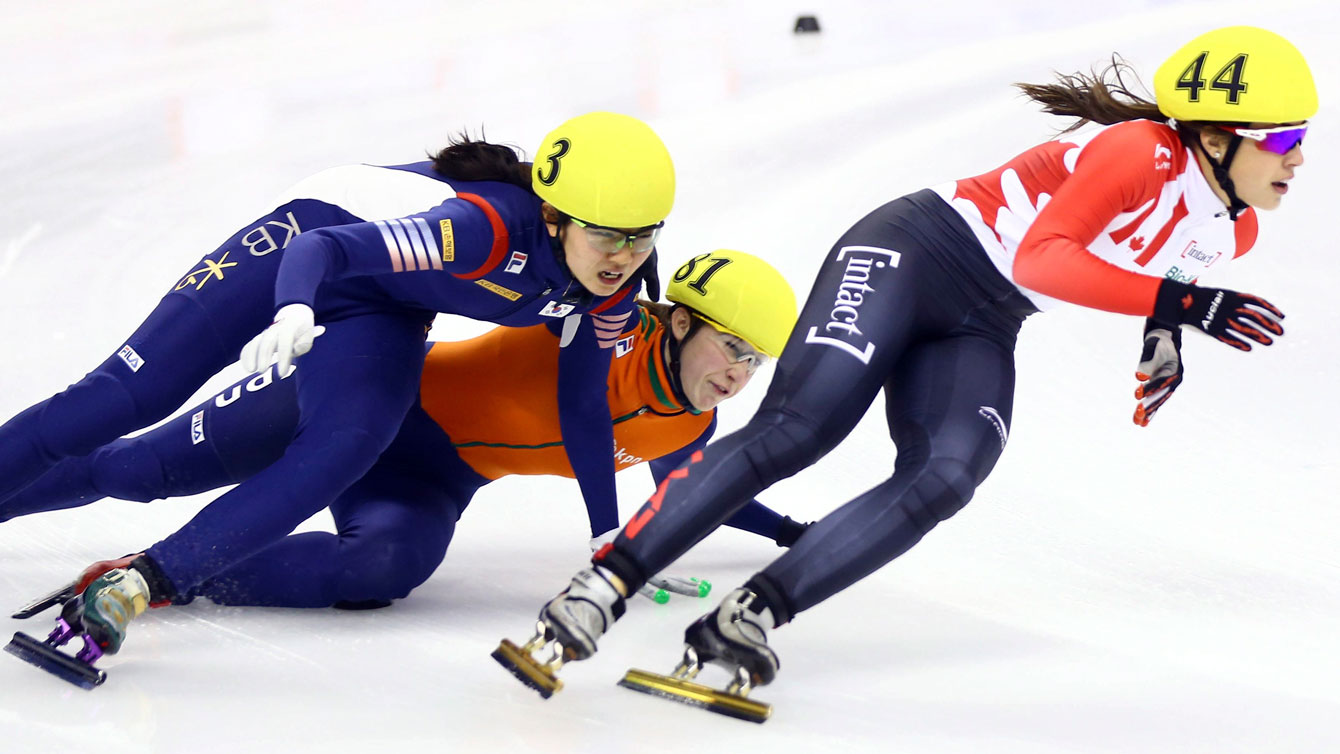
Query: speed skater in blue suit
<point x="474" y="232"/>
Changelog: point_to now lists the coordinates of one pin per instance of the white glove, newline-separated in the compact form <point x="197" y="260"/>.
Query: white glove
<point x="1160" y="370"/>
<point x="289" y="337"/>
<point x="659" y="588"/>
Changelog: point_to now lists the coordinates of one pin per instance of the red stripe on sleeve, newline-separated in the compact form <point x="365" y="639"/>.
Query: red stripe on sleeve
<point x="500" y="239"/>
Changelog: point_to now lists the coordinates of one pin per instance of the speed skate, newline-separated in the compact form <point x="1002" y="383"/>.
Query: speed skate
<point x="679" y="686"/>
<point x="78" y="668"/>
<point x="734" y="637"/>
<point x="524" y="663"/>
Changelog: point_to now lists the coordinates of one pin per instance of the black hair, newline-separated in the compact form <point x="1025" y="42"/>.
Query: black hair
<point x="466" y="159"/>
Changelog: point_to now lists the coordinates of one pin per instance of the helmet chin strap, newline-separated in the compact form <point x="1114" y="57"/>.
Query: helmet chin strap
<point x="672" y="345"/>
<point x="1235" y="205"/>
<point x="575" y="292"/>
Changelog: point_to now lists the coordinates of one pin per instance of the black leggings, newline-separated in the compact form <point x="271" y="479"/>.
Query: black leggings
<point x="906" y="301"/>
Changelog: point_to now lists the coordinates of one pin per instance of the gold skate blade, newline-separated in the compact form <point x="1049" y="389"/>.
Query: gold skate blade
<point x="526" y="670"/>
<point x="696" y="695"/>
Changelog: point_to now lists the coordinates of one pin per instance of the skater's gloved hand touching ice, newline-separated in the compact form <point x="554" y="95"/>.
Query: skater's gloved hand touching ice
<point x="659" y="587"/>
<point x="1160" y="370"/>
<point x="289" y="337"/>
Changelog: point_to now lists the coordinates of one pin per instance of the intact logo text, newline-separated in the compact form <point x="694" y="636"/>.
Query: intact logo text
<point x="1206" y="258"/>
<point x="841" y="331"/>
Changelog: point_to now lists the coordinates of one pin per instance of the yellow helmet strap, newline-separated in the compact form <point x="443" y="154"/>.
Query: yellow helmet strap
<point x="672" y="347"/>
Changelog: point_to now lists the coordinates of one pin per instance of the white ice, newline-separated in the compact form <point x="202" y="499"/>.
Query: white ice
<point x="1109" y="589"/>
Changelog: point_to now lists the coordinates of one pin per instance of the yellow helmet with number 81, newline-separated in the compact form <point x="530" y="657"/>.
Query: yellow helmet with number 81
<point x="1238" y="74"/>
<point x="740" y="294"/>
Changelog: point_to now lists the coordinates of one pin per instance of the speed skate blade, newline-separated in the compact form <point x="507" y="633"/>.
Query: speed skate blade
<point x="54" y="661"/>
<point x="696" y="695"/>
<point x="58" y="597"/>
<point x="520" y="664"/>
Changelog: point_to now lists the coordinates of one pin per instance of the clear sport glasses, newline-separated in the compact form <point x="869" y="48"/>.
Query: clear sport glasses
<point x="736" y="349"/>
<point x="1279" y="140"/>
<point x="611" y="240"/>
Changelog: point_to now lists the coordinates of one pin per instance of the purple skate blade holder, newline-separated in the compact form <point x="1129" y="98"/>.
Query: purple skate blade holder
<point x="46" y="655"/>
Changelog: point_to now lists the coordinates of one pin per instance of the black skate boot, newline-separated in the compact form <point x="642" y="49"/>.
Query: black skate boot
<point x="734" y="637"/>
<point x="568" y="628"/>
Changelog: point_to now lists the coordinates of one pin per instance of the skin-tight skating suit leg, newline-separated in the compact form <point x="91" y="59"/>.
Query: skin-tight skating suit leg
<point x="197" y="329"/>
<point x="906" y="301"/>
<point x="354" y="389"/>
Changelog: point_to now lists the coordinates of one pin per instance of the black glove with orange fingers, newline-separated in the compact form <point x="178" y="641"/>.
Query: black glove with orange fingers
<point x="1238" y="319"/>
<point x="1160" y="369"/>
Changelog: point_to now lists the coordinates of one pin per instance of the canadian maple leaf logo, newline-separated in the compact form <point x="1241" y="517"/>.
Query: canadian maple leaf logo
<point x="1137" y="243"/>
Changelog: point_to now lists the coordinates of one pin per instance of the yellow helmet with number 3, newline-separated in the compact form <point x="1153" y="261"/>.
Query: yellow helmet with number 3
<point x="740" y="294"/>
<point x="606" y="169"/>
<point x="1238" y="74"/>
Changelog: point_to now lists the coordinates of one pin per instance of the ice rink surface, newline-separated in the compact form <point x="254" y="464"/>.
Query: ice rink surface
<point x="1110" y="588"/>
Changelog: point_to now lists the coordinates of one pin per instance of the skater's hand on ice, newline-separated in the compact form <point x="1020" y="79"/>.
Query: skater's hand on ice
<point x="289" y="337"/>
<point x="1159" y="372"/>
<point x="659" y="588"/>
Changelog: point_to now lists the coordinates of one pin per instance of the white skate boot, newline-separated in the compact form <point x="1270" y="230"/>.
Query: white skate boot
<point x="567" y="630"/>
<point x="733" y="637"/>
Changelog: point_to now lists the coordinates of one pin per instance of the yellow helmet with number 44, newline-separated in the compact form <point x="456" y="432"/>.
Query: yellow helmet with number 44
<point x="740" y="294"/>
<point x="1238" y="74"/>
<point x="606" y="169"/>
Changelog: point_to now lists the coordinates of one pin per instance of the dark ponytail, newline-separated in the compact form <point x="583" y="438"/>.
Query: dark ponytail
<point x="1104" y="98"/>
<point x="467" y="160"/>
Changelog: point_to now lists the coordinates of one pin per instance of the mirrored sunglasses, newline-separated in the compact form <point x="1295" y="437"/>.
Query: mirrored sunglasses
<point x="1279" y="140"/>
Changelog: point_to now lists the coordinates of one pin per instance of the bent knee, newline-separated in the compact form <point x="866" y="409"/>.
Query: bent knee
<point x="947" y="484"/>
<point x="384" y="570"/>
<point x="345" y="453"/>
<point x="780" y="445"/>
<point x="128" y="470"/>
